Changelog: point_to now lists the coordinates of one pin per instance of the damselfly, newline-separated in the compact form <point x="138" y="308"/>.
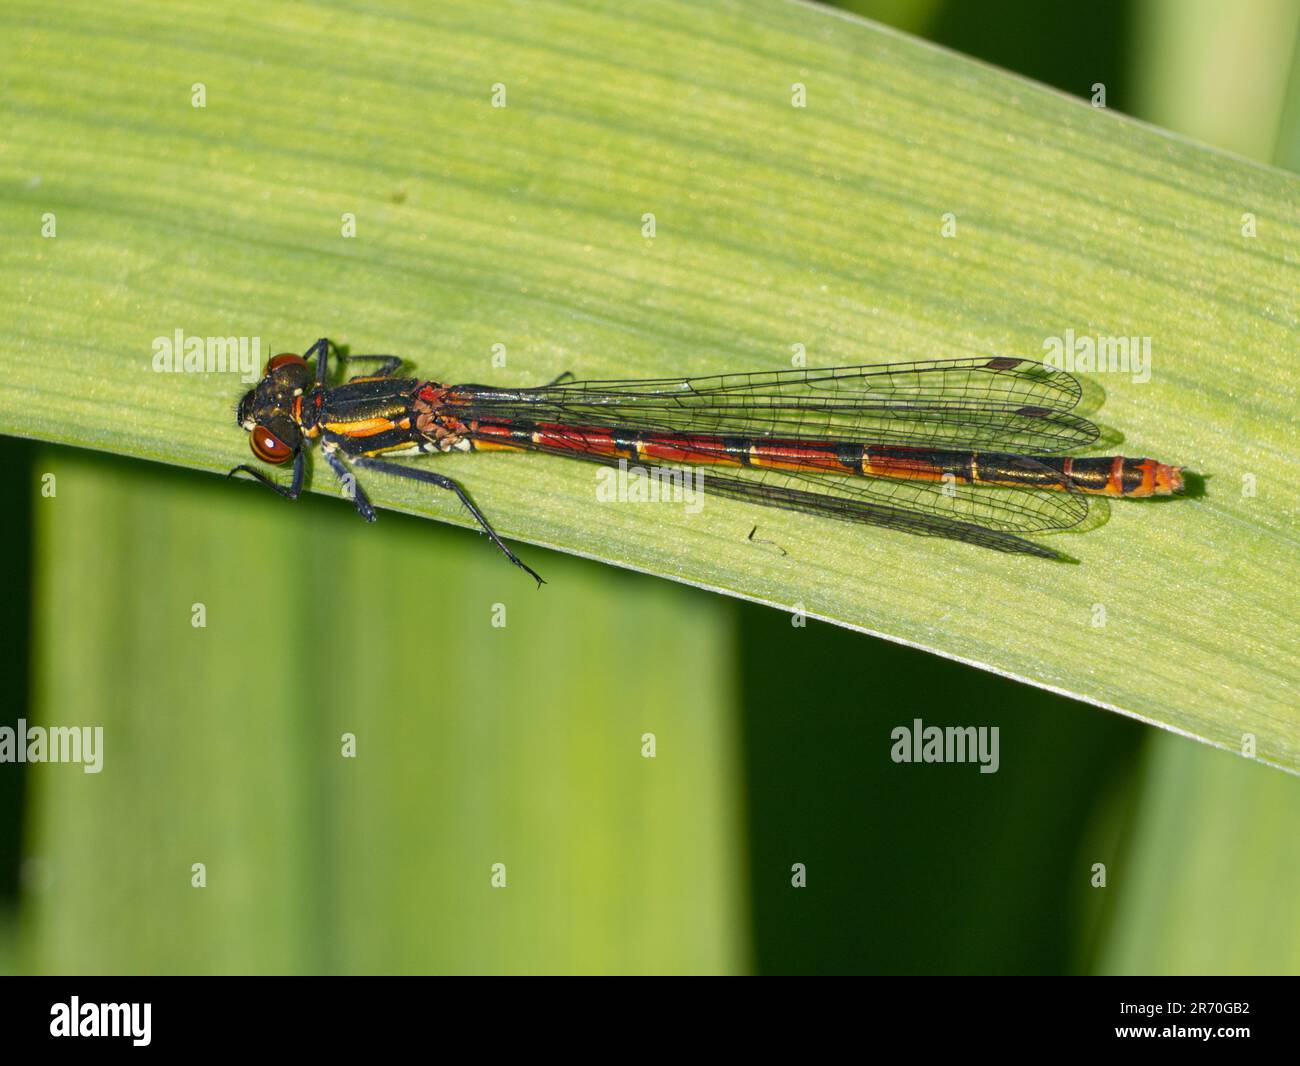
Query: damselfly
<point x="969" y="449"/>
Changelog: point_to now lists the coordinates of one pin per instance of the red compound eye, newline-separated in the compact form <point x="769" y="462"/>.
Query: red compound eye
<point x="267" y="446"/>
<point x="283" y="359"/>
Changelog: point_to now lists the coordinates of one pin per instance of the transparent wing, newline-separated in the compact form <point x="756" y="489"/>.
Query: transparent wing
<point x="987" y="515"/>
<point x="1006" y="404"/>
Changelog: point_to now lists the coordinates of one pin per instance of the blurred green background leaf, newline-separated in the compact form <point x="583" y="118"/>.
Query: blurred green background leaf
<point x="477" y="743"/>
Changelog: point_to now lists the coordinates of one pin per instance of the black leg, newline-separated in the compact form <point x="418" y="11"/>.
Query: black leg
<point x="355" y="493"/>
<point x="389" y="363"/>
<point x="430" y="478"/>
<point x="321" y="350"/>
<point x="290" y="492"/>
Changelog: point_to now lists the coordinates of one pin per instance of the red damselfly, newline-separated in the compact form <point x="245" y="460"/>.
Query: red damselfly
<point x="969" y="449"/>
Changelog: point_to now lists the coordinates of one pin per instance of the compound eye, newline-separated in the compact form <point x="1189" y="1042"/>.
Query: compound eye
<point x="284" y="359"/>
<point x="268" y="447"/>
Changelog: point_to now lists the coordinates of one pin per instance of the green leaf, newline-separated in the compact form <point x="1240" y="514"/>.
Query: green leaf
<point x="349" y="736"/>
<point x="1208" y="843"/>
<point x="775" y="226"/>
